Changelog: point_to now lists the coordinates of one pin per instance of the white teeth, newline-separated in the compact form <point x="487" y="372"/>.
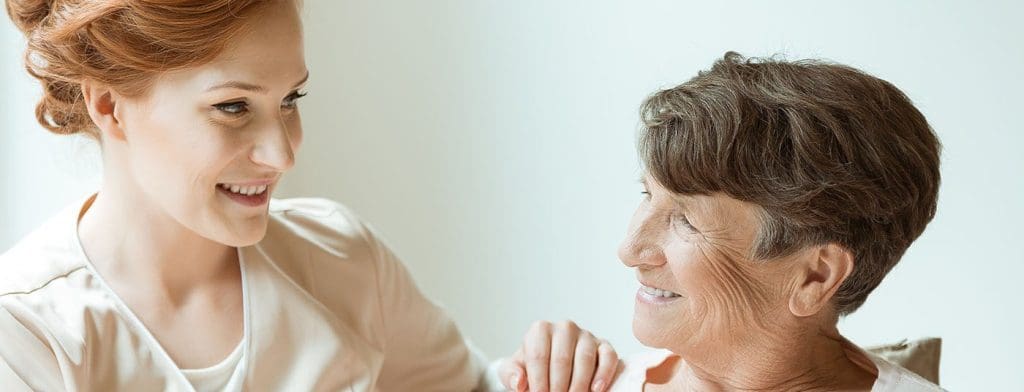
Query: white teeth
<point x="245" y="190"/>
<point x="658" y="292"/>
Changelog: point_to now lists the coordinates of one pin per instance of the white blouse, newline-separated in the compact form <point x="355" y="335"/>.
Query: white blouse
<point x="216" y="377"/>
<point x="632" y="375"/>
<point x="327" y="307"/>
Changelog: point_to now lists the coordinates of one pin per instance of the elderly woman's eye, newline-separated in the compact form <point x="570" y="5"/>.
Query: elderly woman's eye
<point x="291" y="100"/>
<point x="680" y="221"/>
<point x="234" y="108"/>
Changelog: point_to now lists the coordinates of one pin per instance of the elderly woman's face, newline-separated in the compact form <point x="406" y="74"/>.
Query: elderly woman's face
<point x="698" y="283"/>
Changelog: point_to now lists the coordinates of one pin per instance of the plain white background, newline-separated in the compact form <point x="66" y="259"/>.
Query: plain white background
<point x="491" y="143"/>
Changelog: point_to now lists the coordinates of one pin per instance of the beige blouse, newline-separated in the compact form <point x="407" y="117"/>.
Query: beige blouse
<point x="327" y="307"/>
<point x="632" y="376"/>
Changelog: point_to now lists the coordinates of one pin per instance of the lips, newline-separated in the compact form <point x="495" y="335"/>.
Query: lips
<point x="653" y="293"/>
<point x="246" y="190"/>
<point x="656" y="292"/>
<point x="248" y="194"/>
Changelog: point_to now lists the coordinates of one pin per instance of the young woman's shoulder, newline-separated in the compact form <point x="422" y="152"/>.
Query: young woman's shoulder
<point x="45" y="291"/>
<point x="42" y="257"/>
<point x="319" y="242"/>
<point x="319" y="224"/>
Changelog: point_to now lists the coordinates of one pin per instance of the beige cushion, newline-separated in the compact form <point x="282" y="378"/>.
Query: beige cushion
<point x="920" y="356"/>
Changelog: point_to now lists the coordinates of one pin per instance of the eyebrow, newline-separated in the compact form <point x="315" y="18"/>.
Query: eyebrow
<point x="642" y="179"/>
<point x="234" y="84"/>
<point x="680" y="200"/>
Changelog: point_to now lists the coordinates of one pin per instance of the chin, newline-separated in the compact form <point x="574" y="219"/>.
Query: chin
<point x="249" y="236"/>
<point x="648" y="333"/>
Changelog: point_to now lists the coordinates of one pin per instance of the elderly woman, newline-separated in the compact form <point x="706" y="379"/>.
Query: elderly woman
<point x="777" y="197"/>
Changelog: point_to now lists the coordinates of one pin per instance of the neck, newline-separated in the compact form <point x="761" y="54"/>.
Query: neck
<point x="816" y="359"/>
<point x="129" y="240"/>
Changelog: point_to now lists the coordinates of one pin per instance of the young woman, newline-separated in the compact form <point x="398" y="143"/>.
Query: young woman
<point x="181" y="272"/>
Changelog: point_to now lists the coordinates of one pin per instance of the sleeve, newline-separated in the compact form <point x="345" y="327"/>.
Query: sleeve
<point x="27" y="363"/>
<point x="424" y="350"/>
<point x="11" y="380"/>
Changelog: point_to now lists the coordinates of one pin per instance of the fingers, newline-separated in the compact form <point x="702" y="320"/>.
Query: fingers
<point x="558" y="358"/>
<point x="512" y="371"/>
<point x="563" y="349"/>
<point x="584" y="364"/>
<point x="607" y="364"/>
<point x="537" y="350"/>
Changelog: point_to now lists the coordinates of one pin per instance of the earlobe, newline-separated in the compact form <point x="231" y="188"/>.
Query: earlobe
<point x="101" y="103"/>
<point x="821" y="274"/>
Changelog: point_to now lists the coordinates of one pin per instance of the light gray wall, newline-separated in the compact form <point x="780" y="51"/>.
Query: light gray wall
<point x="491" y="143"/>
<point x="39" y="172"/>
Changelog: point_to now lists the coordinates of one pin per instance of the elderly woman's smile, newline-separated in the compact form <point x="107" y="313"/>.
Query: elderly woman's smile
<point x="692" y="257"/>
<point x="649" y="293"/>
<point x="776" y="197"/>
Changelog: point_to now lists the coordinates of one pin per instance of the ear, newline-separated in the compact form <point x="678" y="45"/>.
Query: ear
<point x="821" y="273"/>
<point x="101" y="101"/>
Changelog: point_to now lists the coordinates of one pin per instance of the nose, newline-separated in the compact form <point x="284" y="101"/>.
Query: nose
<point x="276" y="147"/>
<point x="642" y="245"/>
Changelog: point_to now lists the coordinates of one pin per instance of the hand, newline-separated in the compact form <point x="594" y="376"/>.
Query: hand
<point x="560" y="357"/>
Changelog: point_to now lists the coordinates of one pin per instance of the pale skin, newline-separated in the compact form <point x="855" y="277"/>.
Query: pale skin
<point x="735" y="323"/>
<point x="164" y="236"/>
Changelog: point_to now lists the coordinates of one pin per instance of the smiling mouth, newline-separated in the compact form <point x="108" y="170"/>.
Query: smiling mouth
<point x="658" y="293"/>
<point x="249" y="195"/>
<point x="244" y="190"/>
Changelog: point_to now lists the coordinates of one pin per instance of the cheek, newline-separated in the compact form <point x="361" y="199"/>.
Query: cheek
<point x="694" y="281"/>
<point x="719" y="290"/>
<point x="180" y="155"/>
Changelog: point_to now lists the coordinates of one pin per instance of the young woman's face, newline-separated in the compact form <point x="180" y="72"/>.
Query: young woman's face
<point x="207" y="145"/>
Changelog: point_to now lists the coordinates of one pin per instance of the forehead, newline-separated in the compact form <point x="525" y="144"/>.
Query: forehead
<point x="272" y="34"/>
<point x="269" y="50"/>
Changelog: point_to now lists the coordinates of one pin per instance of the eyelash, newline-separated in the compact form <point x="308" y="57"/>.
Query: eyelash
<point x="239" y="108"/>
<point x="680" y="218"/>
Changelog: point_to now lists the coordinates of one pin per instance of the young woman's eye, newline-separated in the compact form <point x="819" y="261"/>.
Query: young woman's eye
<point x="233" y="108"/>
<point x="647" y="195"/>
<point x="292" y="100"/>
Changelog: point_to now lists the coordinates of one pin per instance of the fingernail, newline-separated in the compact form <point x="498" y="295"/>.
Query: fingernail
<point x="598" y="386"/>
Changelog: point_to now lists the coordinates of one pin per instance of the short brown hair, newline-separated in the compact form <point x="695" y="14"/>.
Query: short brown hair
<point x="123" y="43"/>
<point x="830" y="154"/>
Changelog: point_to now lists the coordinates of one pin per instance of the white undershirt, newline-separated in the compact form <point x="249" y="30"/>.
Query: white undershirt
<point x="216" y="377"/>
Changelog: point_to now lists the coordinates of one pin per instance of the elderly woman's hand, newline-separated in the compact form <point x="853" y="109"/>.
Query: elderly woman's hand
<point x="560" y="357"/>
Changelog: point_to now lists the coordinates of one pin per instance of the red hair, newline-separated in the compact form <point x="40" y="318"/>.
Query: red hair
<point x="120" y="43"/>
